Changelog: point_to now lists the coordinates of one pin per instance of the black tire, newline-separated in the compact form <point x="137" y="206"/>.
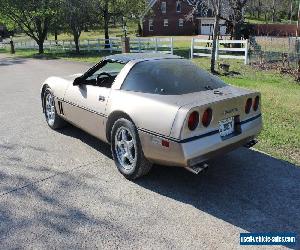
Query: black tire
<point x="57" y="122"/>
<point x="141" y="165"/>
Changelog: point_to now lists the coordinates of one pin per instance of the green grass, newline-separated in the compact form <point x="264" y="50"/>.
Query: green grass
<point x="280" y="100"/>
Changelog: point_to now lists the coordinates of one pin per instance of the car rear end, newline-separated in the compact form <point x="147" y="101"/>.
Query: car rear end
<point x="232" y="118"/>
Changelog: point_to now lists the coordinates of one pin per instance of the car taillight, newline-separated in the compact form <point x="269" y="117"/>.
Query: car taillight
<point x="193" y="120"/>
<point x="206" y="117"/>
<point x="248" y="105"/>
<point x="256" y="103"/>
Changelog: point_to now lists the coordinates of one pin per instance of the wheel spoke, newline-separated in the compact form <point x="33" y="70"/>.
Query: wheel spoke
<point x="130" y="144"/>
<point x="124" y="135"/>
<point x="130" y="157"/>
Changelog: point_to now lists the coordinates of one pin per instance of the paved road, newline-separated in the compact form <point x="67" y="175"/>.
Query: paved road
<point x="62" y="190"/>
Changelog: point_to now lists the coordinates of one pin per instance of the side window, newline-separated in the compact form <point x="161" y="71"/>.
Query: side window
<point x="106" y="75"/>
<point x="163" y="7"/>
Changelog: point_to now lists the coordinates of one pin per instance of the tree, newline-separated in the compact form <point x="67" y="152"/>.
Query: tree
<point x="31" y="16"/>
<point x="237" y="17"/>
<point x="131" y="9"/>
<point x="220" y="11"/>
<point x="217" y="9"/>
<point x="78" y="14"/>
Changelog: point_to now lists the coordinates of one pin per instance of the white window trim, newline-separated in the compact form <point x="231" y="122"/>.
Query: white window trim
<point x="150" y="24"/>
<point x="166" y="22"/>
<point x="178" y="2"/>
<point x="163" y="10"/>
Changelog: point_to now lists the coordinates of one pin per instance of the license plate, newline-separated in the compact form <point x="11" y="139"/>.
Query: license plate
<point x="226" y="126"/>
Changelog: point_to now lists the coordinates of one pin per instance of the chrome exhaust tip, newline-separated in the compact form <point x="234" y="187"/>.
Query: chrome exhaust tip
<point x="250" y="143"/>
<point x="196" y="169"/>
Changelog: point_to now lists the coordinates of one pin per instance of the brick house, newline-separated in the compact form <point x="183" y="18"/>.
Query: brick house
<point x="174" y="17"/>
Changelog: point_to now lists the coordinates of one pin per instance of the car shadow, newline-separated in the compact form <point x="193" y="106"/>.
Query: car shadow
<point x="246" y="188"/>
<point x="90" y="140"/>
<point x="8" y="61"/>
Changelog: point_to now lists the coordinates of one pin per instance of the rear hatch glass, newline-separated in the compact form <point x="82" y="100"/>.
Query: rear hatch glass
<point x="170" y="77"/>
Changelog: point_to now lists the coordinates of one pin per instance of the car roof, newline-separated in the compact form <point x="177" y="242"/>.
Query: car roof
<point x="127" y="57"/>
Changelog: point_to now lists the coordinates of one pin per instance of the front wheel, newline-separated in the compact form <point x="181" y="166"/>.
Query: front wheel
<point x="52" y="118"/>
<point x="127" y="150"/>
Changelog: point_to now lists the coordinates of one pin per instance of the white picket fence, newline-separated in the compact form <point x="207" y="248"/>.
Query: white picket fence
<point x="155" y="44"/>
<point x="202" y="48"/>
<point x="199" y="47"/>
<point x="139" y="44"/>
<point x="112" y="44"/>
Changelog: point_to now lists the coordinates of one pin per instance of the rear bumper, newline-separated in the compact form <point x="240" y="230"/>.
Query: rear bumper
<point x="187" y="153"/>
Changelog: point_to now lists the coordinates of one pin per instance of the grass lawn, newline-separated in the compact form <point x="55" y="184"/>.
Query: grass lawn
<point x="280" y="101"/>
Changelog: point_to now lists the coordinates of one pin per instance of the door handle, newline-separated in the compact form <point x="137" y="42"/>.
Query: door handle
<point x="101" y="98"/>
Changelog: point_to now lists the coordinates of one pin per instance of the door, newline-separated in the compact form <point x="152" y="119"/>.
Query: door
<point x="85" y="107"/>
<point x="85" y="104"/>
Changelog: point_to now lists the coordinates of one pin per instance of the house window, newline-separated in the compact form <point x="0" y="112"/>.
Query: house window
<point x="150" y="25"/>
<point x="209" y="13"/>
<point x="180" y="22"/>
<point x="178" y="7"/>
<point x="163" y="7"/>
<point x="166" y="22"/>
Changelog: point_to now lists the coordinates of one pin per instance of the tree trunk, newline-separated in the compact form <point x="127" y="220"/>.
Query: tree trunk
<point x="76" y="40"/>
<point x="291" y="11"/>
<point x="259" y="9"/>
<point x="55" y="36"/>
<point x="41" y="47"/>
<point x="106" y="22"/>
<point x="214" y="44"/>
<point x="273" y="11"/>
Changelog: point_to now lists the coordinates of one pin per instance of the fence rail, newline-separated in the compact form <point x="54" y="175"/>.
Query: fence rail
<point x="112" y="44"/>
<point x="155" y="44"/>
<point x="224" y="49"/>
<point x="164" y="45"/>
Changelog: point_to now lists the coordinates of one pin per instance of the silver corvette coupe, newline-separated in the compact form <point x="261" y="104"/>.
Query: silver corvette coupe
<point x="154" y="108"/>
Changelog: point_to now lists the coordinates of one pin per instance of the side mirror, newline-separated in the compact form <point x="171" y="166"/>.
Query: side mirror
<point x="77" y="81"/>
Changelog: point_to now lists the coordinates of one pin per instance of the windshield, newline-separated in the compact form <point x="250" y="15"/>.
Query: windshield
<point x="170" y="77"/>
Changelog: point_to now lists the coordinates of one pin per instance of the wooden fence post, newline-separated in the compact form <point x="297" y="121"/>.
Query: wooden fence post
<point x="246" y="52"/>
<point x="217" y="50"/>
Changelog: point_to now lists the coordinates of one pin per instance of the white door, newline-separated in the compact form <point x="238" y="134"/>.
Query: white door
<point x="206" y="29"/>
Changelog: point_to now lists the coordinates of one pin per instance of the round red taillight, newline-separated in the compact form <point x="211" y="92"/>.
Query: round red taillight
<point x="248" y="105"/>
<point x="193" y="120"/>
<point x="256" y="103"/>
<point x="206" y="117"/>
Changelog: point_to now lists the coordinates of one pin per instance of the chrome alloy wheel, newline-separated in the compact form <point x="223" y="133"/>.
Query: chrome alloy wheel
<point x="125" y="147"/>
<point x="50" y="109"/>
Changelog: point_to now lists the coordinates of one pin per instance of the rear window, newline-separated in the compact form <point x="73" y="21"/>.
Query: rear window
<point x="169" y="77"/>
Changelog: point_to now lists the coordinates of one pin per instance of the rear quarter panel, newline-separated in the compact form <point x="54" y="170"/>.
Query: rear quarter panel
<point x="147" y="113"/>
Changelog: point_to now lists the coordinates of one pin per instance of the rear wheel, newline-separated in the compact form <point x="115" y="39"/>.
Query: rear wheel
<point x="52" y="118"/>
<point x="127" y="150"/>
